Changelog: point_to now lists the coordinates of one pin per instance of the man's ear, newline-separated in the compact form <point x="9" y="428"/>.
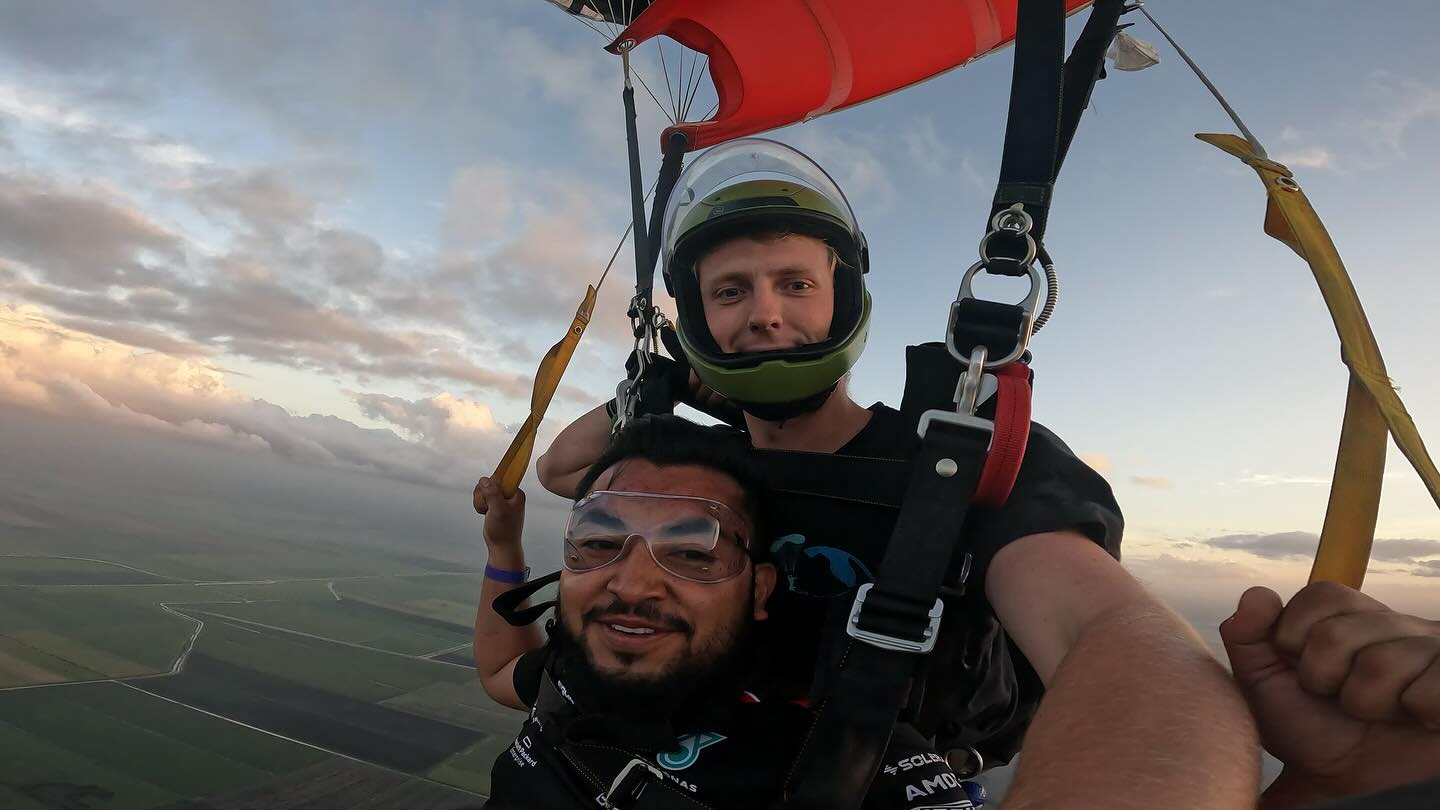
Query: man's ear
<point x="765" y="575"/>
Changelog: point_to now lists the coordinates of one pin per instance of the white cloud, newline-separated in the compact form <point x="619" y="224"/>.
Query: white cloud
<point x="1311" y="157"/>
<point x="43" y="111"/>
<point x="52" y="369"/>
<point x="1277" y="480"/>
<point x="852" y="159"/>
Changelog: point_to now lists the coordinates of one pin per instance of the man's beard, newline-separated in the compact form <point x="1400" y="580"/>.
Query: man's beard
<point x="678" y="694"/>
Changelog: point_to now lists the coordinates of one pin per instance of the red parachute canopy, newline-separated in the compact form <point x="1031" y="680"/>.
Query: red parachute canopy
<point x="775" y="62"/>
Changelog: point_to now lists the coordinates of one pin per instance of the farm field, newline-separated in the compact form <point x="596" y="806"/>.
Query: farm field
<point x="128" y="690"/>
<point x="83" y="634"/>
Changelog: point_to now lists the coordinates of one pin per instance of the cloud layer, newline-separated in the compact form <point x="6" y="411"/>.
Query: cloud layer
<point x="443" y="440"/>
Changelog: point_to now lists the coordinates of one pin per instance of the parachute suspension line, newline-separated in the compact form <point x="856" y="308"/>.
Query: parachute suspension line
<point x="697" y="73"/>
<point x="670" y="94"/>
<point x="1250" y="138"/>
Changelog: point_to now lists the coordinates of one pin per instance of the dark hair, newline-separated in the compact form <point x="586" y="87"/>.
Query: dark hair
<point x="666" y="440"/>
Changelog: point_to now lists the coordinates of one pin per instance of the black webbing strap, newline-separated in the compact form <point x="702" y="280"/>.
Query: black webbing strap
<point x="670" y="166"/>
<point x="1047" y="95"/>
<point x="1032" y="128"/>
<point x="1085" y="67"/>
<point x="639" y="237"/>
<point x="507" y="605"/>
<point x="857" y="715"/>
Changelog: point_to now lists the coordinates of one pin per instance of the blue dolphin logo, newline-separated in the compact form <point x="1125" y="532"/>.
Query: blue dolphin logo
<point x="690" y="747"/>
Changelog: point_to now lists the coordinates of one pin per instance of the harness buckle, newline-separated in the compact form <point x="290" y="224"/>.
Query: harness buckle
<point x="889" y="642"/>
<point x="629" y="783"/>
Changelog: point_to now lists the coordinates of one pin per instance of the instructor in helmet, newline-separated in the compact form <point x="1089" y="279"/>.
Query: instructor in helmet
<point x="767" y="265"/>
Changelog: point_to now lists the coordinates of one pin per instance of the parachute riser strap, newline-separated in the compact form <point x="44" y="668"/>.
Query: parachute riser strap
<point x="640" y="237"/>
<point x="893" y="622"/>
<point x="1032" y="131"/>
<point x="1047" y="95"/>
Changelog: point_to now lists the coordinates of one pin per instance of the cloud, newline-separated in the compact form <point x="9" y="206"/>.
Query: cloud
<point x="1275" y="480"/>
<point x="933" y="156"/>
<point x="82" y="132"/>
<point x="1302" y="545"/>
<point x="56" y="370"/>
<point x="1311" y="157"/>
<point x="1151" y="481"/>
<point x="926" y="148"/>
<point x="41" y="221"/>
<point x="852" y="159"/>
<point x="1396" y="104"/>
<point x="289" y="288"/>
<point x="1428" y="568"/>
<point x="1279" y="546"/>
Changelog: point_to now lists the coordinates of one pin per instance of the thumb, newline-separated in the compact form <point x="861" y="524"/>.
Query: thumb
<point x="1248" y="635"/>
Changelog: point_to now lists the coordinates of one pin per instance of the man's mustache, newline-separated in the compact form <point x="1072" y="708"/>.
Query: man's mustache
<point x="649" y="611"/>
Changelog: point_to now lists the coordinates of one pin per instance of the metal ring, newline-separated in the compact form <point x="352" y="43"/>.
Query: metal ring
<point x="1030" y="248"/>
<point x="1002" y="221"/>
<point x="974" y="764"/>
<point x="1287" y="183"/>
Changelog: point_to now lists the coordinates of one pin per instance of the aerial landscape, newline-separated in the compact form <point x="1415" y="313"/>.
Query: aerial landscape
<point x="275" y="280"/>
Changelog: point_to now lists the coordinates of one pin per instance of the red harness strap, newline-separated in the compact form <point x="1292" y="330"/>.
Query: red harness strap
<point x="1012" y="432"/>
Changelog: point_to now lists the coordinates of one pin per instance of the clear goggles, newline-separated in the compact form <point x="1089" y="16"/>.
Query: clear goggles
<point x="692" y="538"/>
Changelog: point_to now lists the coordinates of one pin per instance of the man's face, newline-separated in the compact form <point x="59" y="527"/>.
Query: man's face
<point x="767" y="294"/>
<point x="636" y="622"/>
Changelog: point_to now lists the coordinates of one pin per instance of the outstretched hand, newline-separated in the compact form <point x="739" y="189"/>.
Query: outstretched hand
<point x="504" y="517"/>
<point x="1346" y="692"/>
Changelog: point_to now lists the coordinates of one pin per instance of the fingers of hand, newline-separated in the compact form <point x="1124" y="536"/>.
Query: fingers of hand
<point x="1315" y="603"/>
<point x="1421" y="700"/>
<point x="481" y="496"/>
<point x="1379" y="685"/>
<point x="1254" y="618"/>
<point x="1353" y="645"/>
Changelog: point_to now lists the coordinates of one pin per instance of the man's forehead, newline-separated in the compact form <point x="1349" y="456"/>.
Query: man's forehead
<point x="694" y="480"/>
<point x="761" y="253"/>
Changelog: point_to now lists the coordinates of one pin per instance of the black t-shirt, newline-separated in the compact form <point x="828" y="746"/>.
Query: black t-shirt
<point x="739" y="762"/>
<point x="826" y="547"/>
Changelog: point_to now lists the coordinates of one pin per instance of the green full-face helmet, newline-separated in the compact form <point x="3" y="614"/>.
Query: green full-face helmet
<point x="753" y="186"/>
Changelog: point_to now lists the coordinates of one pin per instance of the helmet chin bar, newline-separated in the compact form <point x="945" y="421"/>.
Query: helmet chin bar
<point x="781" y="411"/>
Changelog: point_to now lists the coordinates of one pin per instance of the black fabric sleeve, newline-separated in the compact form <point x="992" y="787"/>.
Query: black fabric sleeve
<point x="1055" y="491"/>
<point x="527" y="675"/>
<point x="1416" y="796"/>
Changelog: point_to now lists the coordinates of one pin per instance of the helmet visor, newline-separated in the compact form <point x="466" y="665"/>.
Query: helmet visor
<point x="692" y="538"/>
<point x="738" y="162"/>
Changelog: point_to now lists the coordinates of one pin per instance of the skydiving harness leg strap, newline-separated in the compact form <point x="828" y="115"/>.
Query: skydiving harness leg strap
<point x="895" y="620"/>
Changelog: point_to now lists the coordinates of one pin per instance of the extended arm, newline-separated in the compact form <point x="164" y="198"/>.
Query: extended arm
<point x="1137" y="712"/>
<point x="561" y="467"/>
<point x="498" y="644"/>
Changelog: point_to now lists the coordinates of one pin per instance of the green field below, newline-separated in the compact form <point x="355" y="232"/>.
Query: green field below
<point x="83" y="634"/>
<point x="120" y="748"/>
<point x="354" y="622"/>
<point x="448" y="598"/>
<point x="369" y="675"/>
<point x="17" y="570"/>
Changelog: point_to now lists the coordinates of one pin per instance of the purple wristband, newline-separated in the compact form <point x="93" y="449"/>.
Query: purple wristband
<point x="507" y="577"/>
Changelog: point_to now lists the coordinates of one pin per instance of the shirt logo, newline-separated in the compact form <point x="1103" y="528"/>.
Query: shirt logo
<point x="690" y="747"/>
<point x="818" y="570"/>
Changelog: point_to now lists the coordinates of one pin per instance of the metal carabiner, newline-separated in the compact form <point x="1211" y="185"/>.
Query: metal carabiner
<point x="1023" y="329"/>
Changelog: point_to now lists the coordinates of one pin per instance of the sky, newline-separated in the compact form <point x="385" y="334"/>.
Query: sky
<point x="335" y="239"/>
